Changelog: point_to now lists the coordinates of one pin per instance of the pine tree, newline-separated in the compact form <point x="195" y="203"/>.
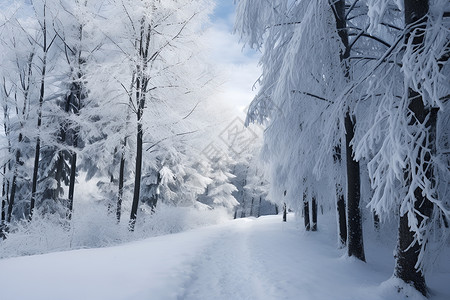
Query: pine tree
<point x="219" y="191"/>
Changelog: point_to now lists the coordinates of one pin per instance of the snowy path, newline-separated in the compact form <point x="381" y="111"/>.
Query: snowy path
<point x="243" y="259"/>
<point x="227" y="269"/>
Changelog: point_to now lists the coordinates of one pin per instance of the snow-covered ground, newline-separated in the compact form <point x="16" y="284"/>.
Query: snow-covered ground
<point x="241" y="259"/>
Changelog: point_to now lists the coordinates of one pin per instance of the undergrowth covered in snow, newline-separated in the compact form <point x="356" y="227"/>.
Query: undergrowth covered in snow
<point x="93" y="227"/>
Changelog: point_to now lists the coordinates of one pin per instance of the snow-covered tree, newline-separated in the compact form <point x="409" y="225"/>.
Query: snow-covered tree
<point x="372" y="74"/>
<point x="408" y="99"/>
<point x="302" y="67"/>
<point x="219" y="191"/>
<point x="157" y="40"/>
<point x="18" y="87"/>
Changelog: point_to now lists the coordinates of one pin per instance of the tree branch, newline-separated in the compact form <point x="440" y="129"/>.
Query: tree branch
<point x="311" y="95"/>
<point x="187" y="116"/>
<point x="166" y="138"/>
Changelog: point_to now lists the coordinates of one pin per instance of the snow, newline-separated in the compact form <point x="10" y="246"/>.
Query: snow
<point x="241" y="259"/>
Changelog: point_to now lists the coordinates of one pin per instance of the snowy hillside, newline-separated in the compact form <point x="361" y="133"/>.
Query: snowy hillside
<point x="242" y="259"/>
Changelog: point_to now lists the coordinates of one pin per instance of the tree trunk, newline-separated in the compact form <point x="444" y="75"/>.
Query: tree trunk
<point x="139" y="139"/>
<point x="407" y="253"/>
<point x="284" y="213"/>
<point x="5" y="181"/>
<point x="13" y="185"/>
<point x="306" y="210"/>
<point x="2" y="223"/>
<point x="355" y="245"/>
<point x="137" y="178"/>
<point x="73" y="171"/>
<point x="12" y="196"/>
<point x="314" y="213"/>
<point x="121" y="180"/>
<point x="340" y="201"/>
<point x="5" y="199"/>
<point x="35" y="173"/>
<point x="76" y="98"/>
<point x="122" y="158"/>
<point x="342" y="220"/>
<point x="259" y="206"/>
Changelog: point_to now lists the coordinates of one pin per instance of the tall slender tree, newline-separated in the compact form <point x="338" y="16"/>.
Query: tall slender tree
<point x="355" y="244"/>
<point x="47" y="41"/>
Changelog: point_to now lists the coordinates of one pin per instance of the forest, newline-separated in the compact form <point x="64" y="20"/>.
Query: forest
<point x="112" y="131"/>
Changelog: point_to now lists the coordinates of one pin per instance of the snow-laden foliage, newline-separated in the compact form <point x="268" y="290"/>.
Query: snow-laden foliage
<point x="267" y="27"/>
<point x="300" y="73"/>
<point x="256" y="18"/>
<point x="395" y="139"/>
<point x="373" y="70"/>
<point x="377" y="10"/>
<point x="219" y="192"/>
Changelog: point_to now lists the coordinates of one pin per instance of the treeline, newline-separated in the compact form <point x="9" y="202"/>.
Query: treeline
<point x="354" y="95"/>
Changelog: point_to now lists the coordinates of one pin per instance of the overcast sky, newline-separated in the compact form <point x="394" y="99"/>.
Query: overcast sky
<point x="240" y="66"/>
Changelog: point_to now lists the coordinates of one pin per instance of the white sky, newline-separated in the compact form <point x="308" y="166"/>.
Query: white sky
<point x="239" y="66"/>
